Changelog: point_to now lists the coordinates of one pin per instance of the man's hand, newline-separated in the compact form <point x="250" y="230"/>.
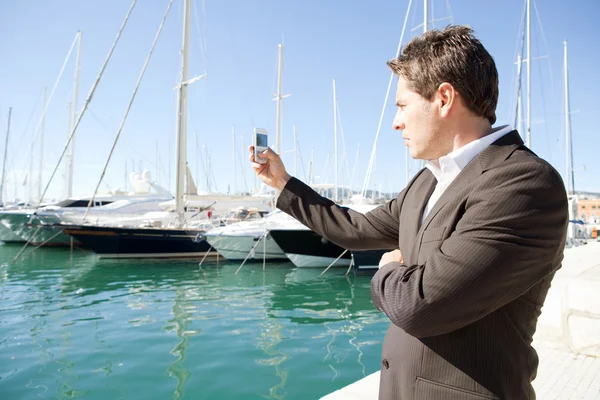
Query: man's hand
<point x="391" y="256"/>
<point x="272" y="172"/>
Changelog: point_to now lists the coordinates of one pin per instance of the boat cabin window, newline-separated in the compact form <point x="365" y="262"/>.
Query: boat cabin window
<point x="81" y="203"/>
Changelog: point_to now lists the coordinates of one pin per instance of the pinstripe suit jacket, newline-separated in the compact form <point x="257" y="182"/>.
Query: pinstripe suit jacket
<point x="465" y="302"/>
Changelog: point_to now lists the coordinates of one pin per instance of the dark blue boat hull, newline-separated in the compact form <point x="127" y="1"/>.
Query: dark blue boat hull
<point x="109" y="242"/>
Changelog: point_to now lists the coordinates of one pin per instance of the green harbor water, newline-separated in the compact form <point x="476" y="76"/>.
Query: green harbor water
<point x="72" y="326"/>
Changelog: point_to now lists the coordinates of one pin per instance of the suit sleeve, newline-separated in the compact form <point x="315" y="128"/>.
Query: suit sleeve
<point x="510" y="237"/>
<point x="377" y="229"/>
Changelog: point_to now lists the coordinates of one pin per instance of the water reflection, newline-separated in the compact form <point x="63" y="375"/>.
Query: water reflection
<point x="180" y="321"/>
<point x="282" y="331"/>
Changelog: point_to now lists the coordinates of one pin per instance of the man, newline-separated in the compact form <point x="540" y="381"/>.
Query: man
<point x="478" y="234"/>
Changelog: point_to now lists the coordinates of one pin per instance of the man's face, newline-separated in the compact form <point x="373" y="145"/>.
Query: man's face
<point x="419" y="121"/>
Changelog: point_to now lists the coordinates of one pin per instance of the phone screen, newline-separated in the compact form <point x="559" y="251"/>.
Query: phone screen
<point x="261" y="140"/>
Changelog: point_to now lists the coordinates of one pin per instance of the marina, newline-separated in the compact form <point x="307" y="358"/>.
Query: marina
<point x="140" y="255"/>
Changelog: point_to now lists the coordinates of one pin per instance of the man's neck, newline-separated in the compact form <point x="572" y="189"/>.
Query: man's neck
<point x="470" y="132"/>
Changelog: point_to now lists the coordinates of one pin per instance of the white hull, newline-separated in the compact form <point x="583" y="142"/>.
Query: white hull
<point x="237" y="247"/>
<point x="8" y="236"/>
<point x="304" y="261"/>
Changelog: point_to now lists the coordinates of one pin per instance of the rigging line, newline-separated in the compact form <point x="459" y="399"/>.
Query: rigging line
<point x="62" y="70"/>
<point x="202" y="51"/>
<point x="273" y="91"/>
<point x="131" y="100"/>
<point x="414" y="17"/>
<point x="63" y="118"/>
<point x="16" y="151"/>
<point x="203" y="164"/>
<point x="521" y="41"/>
<point x="385" y="101"/>
<point x="205" y="36"/>
<point x="284" y="59"/>
<point x="544" y="109"/>
<point x="193" y="120"/>
<point x="521" y="28"/>
<point x="545" y="46"/>
<point x="449" y="9"/>
<point x="345" y="155"/>
<point x="562" y="123"/>
<point x="325" y="170"/>
<point x="519" y="84"/>
<point x="211" y="171"/>
<point x="354" y="167"/>
<point x="241" y="160"/>
<point x="87" y="101"/>
<point x="302" y="163"/>
<point x="132" y="148"/>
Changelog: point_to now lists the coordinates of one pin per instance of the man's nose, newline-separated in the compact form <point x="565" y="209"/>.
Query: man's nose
<point x="398" y="123"/>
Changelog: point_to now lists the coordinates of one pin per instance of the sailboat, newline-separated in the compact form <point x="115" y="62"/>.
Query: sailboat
<point x="165" y="239"/>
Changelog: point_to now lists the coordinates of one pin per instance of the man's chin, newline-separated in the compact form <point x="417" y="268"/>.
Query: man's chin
<point x="415" y="155"/>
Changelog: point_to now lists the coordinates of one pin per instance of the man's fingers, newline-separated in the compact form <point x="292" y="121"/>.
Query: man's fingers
<point x="270" y="154"/>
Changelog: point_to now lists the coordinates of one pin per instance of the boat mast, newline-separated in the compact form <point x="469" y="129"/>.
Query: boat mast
<point x="4" y="160"/>
<point x="74" y="117"/>
<point x="244" y="169"/>
<point x="206" y="168"/>
<point x="29" y="176"/>
<point x="233" y="155"/>
<point x="279" y="98"/>
<point x="569" y="156"/>
<point x="528" y="73"/>
<point x="43" y="122"/>
<point x="335" y="146"/>
<point x="310" y="166"/>
<point x="182" y="116"/>
<point x="425" y="29"/>
<point x="517" y="123"/>
<point x="295" y="151"/>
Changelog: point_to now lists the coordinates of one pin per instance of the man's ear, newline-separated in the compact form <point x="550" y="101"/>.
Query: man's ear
<point x="447" y="98"/>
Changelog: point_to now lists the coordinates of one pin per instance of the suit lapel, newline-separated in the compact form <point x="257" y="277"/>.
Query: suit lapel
<point x="466" y="176"/>
<point x="494" y="154"/>
<point x="412" y="211"/>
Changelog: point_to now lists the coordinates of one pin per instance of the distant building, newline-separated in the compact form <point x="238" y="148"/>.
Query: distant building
<point x="588" y="210"/>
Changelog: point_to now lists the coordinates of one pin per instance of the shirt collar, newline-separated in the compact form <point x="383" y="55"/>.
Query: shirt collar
<point x="457" y="160"/>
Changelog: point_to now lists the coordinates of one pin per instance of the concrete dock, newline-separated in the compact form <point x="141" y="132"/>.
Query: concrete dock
<point x="567" y="337"/>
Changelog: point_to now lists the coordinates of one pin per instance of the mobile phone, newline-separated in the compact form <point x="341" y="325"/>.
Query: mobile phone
<point x="260" y="142"/>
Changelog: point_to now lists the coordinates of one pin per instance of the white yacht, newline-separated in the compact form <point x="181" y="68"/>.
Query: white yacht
<point x="35" y="225"/>
<point x="251" y="238"/>
<point x="307" y="249"/>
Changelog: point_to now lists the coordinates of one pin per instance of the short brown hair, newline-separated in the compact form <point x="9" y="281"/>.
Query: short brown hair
<point x="455" y="56"/>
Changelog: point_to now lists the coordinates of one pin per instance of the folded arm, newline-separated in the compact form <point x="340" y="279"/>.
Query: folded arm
<point x="510" y="237"/>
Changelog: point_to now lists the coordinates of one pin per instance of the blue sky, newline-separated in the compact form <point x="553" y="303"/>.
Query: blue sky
<point x="235" y="42"/>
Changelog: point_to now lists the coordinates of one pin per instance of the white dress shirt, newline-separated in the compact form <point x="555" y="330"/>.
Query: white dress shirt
<point x="447" y="168"/>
